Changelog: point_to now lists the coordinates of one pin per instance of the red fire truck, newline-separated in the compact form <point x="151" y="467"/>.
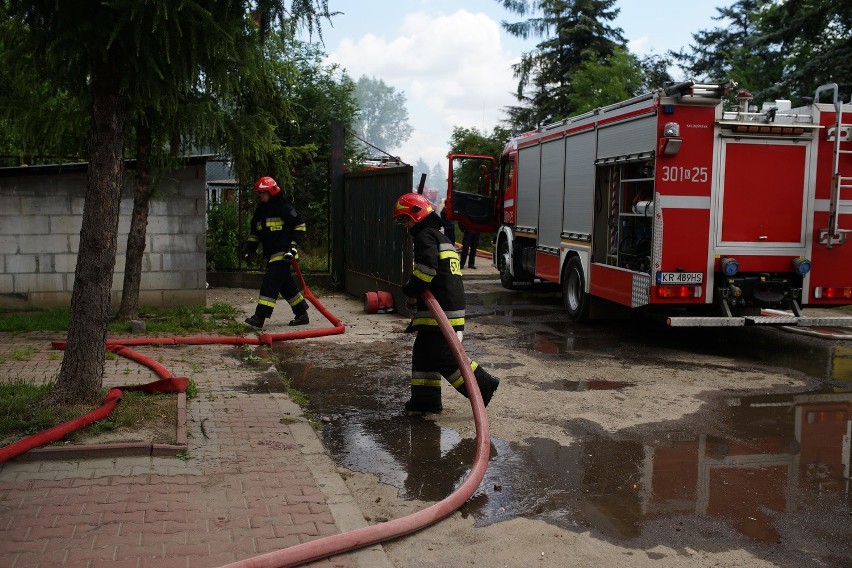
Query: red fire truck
<point x="669" y="203"/>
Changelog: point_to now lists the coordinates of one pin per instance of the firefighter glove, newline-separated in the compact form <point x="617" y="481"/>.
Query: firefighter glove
<point x="290" y="254"/>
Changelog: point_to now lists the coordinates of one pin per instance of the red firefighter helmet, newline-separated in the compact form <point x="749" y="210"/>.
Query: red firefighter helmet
<point x="268" y="185"/>
<point x="411" y="206"/>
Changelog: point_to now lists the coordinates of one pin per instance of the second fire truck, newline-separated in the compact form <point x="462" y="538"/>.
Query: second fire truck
<point x="669" y="201"/>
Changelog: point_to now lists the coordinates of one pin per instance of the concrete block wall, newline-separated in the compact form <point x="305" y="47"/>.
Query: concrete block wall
<point x="41" y="213"/>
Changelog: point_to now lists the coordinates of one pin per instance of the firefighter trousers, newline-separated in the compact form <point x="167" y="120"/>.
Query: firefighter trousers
<point x="431" y="362"/>
<point x="279" y="281"/>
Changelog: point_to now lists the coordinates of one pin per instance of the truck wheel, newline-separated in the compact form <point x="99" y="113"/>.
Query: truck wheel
<point x="574" y="290"/>
<point x="503" y="265"/>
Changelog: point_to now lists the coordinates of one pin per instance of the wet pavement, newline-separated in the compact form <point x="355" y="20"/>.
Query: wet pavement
<point x="766" y="472"/>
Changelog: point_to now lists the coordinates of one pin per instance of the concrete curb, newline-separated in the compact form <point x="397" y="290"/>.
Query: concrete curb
<point x="342" y="505"/>
<point x="115" y="449"/>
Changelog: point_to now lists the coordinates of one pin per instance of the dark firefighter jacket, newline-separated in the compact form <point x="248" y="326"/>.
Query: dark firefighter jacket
<point x="436" y="267"/>
<point x="277" y="226"/>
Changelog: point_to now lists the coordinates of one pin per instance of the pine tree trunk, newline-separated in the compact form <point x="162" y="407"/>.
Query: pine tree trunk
<point x="81" y="375"/>
<point x="138" y="224"/>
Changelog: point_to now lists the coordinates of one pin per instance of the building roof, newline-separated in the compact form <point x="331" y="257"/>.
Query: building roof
<point x="77" y="167"/>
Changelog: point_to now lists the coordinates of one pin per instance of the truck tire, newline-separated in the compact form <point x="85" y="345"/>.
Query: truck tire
<point x="503" y="265"/>
<point x="574" y="290"/>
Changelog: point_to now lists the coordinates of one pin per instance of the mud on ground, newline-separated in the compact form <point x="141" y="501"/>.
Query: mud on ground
<point x="596" y="433"/>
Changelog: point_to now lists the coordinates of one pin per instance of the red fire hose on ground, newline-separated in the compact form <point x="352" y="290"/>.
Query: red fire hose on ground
<point x="167" y="382"/>
<point x="374" y="534"/>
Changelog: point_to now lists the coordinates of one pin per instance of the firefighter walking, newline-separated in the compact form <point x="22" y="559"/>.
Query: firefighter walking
<point x="437" y="269"/>
<point x="279" y="229"/>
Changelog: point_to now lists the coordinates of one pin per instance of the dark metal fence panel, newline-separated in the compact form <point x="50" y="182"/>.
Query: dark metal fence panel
<point x="377" y="253"/>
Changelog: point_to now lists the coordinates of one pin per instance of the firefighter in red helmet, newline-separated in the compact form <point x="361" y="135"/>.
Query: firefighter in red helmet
<point x="279" y="228"/>
<point x="436" y="268"/>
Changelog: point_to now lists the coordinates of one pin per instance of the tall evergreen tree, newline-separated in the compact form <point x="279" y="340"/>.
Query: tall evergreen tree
<point x="775" y="49"/>
<point x="734" y="50"/>
<point x="813" y="39"/>
<point x="572" y="32"/>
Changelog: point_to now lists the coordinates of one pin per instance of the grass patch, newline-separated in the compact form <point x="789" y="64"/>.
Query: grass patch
<point x="137" y="412"/>
<point x="218" y="318"/>
<point x="22" y="353"/>
<point x="298" y="397"/>
<point x="18" y="416"/>
<point x="191" y="389"/>
<point x="54" y="319"/>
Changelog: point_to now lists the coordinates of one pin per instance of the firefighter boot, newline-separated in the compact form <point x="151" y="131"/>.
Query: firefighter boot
<point x="255" y="321"/>
<point x="301" y="319"/>
<point x="487" y="383"/>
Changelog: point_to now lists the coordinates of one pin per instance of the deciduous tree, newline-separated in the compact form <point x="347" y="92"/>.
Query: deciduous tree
<point x="598" y="82"/>
<point x="382" y="117"/>
<point x="466" y="140"/>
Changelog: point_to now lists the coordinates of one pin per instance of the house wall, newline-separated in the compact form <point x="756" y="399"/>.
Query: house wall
<point x="41" y="213"/>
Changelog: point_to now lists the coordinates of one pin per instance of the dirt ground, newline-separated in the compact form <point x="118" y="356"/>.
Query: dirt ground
<point x="673" y="387"/>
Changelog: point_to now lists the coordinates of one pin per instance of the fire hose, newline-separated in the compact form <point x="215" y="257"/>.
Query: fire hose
<point x="374" y="534"/>
<point x="167" y="382"/>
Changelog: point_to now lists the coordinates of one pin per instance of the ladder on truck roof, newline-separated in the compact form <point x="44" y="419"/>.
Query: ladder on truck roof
<point x="840" y="132"/>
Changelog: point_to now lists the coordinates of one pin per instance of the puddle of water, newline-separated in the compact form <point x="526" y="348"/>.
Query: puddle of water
<point x="556" y="344"/>
<point x="778" y="472"/>
<point x="269" y="382"/>
<point x="268" y="379"/>
<point x="539" y="295"/>
<point x="364" y="426"/>
<point x="509" y="312"/>
<point x="579" y="386"/>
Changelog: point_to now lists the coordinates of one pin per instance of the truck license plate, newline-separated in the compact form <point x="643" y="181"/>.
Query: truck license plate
<point x="680" y="277"/>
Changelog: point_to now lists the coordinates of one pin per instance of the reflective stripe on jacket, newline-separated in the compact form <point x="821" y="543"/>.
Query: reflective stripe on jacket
<point x="277" y="226"/>
<point x="436" y="268"/>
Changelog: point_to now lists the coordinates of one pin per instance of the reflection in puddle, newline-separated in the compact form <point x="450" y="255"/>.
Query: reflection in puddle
<point x="779" y="462"/>
<point x="506" y="312"/>
<point x="552" y="343"/>
<point x="541" y="296"/>
<point x="579" y="386"/>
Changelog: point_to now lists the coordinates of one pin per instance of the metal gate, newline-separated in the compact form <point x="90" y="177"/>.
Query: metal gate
<point x="377" y="253"/>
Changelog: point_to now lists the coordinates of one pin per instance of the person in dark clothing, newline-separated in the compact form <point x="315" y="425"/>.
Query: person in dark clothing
<point x="279" y="228"/>
<point x="449" y="226"/>
<point x="436" y="268"/>
<point x="470" y="242"/>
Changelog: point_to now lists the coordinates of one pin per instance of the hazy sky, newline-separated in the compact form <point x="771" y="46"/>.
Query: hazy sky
<point x="453" y="60"/>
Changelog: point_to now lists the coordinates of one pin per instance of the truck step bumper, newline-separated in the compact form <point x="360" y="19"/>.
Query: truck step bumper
<point x="771" y="320"/>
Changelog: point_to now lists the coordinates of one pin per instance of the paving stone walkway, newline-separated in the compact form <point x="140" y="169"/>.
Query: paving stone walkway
<point x="256" y="478"/>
